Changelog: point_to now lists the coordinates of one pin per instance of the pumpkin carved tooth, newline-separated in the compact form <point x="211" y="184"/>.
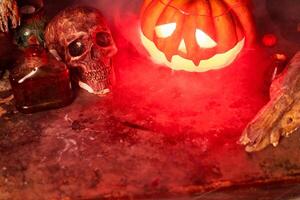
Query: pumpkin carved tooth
<point x="169" y="57"/>
<point x="196" y="35"/>
<point x="196" y="61"/>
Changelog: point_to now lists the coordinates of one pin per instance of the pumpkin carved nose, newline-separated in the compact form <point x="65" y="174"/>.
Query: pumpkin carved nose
<point x="182" y="47"/>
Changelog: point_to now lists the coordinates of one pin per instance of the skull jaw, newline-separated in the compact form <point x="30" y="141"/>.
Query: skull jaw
<point x="90" y="89"/>
<point x="97" y="82"/>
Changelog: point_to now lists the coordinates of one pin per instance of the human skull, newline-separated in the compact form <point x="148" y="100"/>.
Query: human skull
<point x="81" y="37"/>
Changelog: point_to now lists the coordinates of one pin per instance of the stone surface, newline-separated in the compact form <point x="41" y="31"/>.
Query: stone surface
<point x="84" y="152"/>
<point x="89" y="151"/>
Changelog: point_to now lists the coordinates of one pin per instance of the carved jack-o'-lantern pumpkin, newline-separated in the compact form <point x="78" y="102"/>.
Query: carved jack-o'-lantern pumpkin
<point x="196" y="35"/>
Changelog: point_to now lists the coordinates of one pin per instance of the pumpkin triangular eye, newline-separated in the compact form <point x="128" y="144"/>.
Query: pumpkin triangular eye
<point x="203" y="40"/>
<point x="165" y="30"/>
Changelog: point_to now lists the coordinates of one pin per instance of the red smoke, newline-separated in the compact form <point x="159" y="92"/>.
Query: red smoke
<point x="155" y="97"/>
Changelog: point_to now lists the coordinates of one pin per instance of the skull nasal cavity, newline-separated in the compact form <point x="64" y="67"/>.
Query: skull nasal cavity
<point x="95" y="53"/>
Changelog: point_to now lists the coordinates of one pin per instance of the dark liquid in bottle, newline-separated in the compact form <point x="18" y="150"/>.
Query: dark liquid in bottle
<point x="43" y="87"/>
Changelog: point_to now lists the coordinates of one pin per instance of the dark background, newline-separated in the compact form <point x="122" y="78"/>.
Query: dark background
<point x="272" y="16"/>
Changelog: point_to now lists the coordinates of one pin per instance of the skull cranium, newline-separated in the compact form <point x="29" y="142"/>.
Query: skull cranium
<point x="81" y="37"/>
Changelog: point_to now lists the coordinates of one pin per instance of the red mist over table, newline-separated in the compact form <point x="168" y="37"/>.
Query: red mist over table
<point x="209" y="103"/>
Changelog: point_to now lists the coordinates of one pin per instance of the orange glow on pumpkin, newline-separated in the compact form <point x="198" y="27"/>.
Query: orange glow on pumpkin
<point x="196" y="35"/>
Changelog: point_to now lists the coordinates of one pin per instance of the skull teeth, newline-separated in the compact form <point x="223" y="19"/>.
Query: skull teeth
<point x="98" y="81"/>
<point x="95" y="76"/>
<point x="91" y="90"/>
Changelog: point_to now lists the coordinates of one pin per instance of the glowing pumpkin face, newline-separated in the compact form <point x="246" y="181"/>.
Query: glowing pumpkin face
<point x="195" y="35"/>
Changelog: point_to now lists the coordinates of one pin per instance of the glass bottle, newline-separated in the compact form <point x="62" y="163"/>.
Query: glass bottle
<point x="40" y="82"/>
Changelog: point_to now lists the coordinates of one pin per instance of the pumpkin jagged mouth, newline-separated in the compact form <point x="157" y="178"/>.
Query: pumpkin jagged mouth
<point x="177" y="62"/>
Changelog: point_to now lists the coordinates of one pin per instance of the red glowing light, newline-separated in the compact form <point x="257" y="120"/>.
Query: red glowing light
<point x="269" y="40"/>
<point x="159" y="98"/>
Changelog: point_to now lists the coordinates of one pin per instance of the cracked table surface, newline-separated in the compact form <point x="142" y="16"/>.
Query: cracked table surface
<point x="85" y="151"/>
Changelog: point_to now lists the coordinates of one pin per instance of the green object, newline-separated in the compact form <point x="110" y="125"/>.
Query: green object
<point x="31" y="31"/>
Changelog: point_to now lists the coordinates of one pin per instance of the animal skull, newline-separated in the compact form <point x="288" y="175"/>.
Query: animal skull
<point x="81" y="37"/>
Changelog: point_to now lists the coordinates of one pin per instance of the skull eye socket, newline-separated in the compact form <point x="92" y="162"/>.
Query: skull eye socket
<point x="76" y="48"/>
<point x="103" y="39"/>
